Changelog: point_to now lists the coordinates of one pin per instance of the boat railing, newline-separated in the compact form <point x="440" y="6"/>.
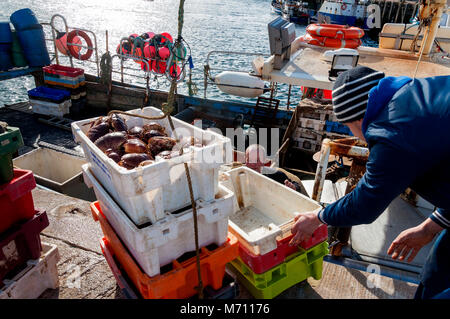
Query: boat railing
<point x="52" y="40"/>
<point x="209" y="79"/>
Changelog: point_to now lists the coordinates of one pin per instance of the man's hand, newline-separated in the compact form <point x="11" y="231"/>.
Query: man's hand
<point x="410" y="241"/>
<point x="289" y="184"/>
<point x="304" y="227"/>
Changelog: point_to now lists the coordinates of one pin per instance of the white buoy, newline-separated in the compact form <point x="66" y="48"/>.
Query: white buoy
<point x="240" y="84"/>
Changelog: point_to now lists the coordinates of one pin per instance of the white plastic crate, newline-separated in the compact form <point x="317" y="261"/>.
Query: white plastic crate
<point x="39" y="275"/>
<point x="312" y="124"/>
<point x="160" y="243"/>
<point x="149" y="193"/>
<point x="49" y="108"/>
<point x="308" y="145"/>
<point x="264" y="209"/>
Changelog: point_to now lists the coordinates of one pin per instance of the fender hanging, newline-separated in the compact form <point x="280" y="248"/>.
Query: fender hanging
<point x="70" y="38"/>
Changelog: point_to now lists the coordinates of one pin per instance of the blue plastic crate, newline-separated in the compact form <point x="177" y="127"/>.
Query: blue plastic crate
<point x="336" y="127"/>
<point x="48" y="94"/>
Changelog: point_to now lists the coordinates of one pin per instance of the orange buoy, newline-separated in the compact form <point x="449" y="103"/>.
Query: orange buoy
<point x="331" y="42"/>
<point x="164" y="53"/>
<point x="335" y="31"/>
<point x="149" y="51"/>
<point x="175" y="71"/>
<point x="76" y="53"/>
<point x="167" y="36"/>
<point x="159" y="67"/>
<point x="61" y="43"/>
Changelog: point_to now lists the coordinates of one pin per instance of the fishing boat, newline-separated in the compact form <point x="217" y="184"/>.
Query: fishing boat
<point x="297" y="12"/>
<point x="296" y="64"/>
<point x="277" y="6"/>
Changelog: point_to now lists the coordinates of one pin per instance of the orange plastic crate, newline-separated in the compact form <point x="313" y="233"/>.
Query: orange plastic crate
<point x="181" y="280"/>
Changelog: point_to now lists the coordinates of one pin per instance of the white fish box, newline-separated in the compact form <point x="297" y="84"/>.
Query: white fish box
<point x="159" y="244"/>
<point x="51" y="109"/>
<point x="264" y="209"/>
<point x="38" y="276"/>
<point x="149" y="193"/>
<point x="317" y="125"/>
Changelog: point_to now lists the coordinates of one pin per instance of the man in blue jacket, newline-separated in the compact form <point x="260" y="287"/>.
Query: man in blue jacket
<point x="406" y="124"/>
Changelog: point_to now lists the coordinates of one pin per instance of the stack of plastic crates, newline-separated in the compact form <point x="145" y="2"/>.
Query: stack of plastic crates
<point x="262" y="221"/>
<point x="316" y="121"/>
<point x="22" y="257"/>
<point x="69" y="79"/>
<point x="176" y="280"/>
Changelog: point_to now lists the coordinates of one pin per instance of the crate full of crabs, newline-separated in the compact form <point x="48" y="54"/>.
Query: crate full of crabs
<point x="140" y="163"/>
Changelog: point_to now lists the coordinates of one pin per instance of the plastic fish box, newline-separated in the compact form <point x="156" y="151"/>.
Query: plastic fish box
<point x="51" y="109"/>
<point x="264" y="209"/>
<point x="229" y="289"/>
<point x="317" y="125"/>
<point x="66" y="83"/>
<point x="121" y="278"/>
<point x="16" y="199"/>
<point x="158" y="244"/>
<point x="65" y="79"/>
<point x="179" y="279"/>
<point x="42" y="93"/>
<point x="21" y="243"/>
<point x="62" y="70"/>
<point x="39" y="275"/>
<point x="262" y="263"/>
<point x="149" y="193"/>
<point x="295" y="269"/>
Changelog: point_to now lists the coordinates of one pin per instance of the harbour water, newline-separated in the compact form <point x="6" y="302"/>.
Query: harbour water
<point x="232" y="25"/>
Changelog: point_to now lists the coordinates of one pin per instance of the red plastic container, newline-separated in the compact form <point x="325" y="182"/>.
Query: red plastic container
<point x="16" y="200"/>
<point x="63" y="70"/>
<point x="327" y="94"/>
<point x="21" y="243"/>
<point x="262" y="263"/>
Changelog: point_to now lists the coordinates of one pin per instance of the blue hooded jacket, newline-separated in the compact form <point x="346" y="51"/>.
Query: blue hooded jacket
<point x="407" y="128"/>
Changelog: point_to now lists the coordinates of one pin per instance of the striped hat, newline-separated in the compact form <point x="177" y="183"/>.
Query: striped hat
<point x="351" y="92"/>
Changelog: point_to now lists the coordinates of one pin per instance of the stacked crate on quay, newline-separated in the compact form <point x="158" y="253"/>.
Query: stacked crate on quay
<point x="146" y="214"/>
<point x="262" y="220"/>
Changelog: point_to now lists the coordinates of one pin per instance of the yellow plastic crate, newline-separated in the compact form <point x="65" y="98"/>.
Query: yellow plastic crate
<point x="296" y="268"/>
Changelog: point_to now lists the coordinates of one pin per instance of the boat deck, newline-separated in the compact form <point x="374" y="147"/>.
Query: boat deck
<point x="308" y="68"/>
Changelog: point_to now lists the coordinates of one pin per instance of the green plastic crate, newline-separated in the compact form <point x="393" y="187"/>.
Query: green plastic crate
<point x="10" y="141"/>
<point x="295" y="269"/>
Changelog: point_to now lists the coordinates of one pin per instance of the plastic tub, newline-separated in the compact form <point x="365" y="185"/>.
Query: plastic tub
<point x="149" y="193"/>
<point x="42" y="93"/>
<point x="295" y="269"/>
<point x="71" y="83"/>
<point x="39" y="275"/>
<point x="264" y="209"/>
<point x="158" y="244"/>
<point x="62" y="70"/>
<point x="24" y="19"/>
<point x="51" y="109"/>
<point x="64" y="175"/>
<point x="262" y="263"/>
<point x="21" y="243"/>
<point x="180" y="280"/>
<point x="16" y="199"/>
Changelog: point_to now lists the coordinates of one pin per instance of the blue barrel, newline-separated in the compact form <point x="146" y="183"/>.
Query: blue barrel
<point x="24" y="19"/>
<point x="34" y="47"/>
<point x="5" y="61"/>
<point x="5" y="33"/>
